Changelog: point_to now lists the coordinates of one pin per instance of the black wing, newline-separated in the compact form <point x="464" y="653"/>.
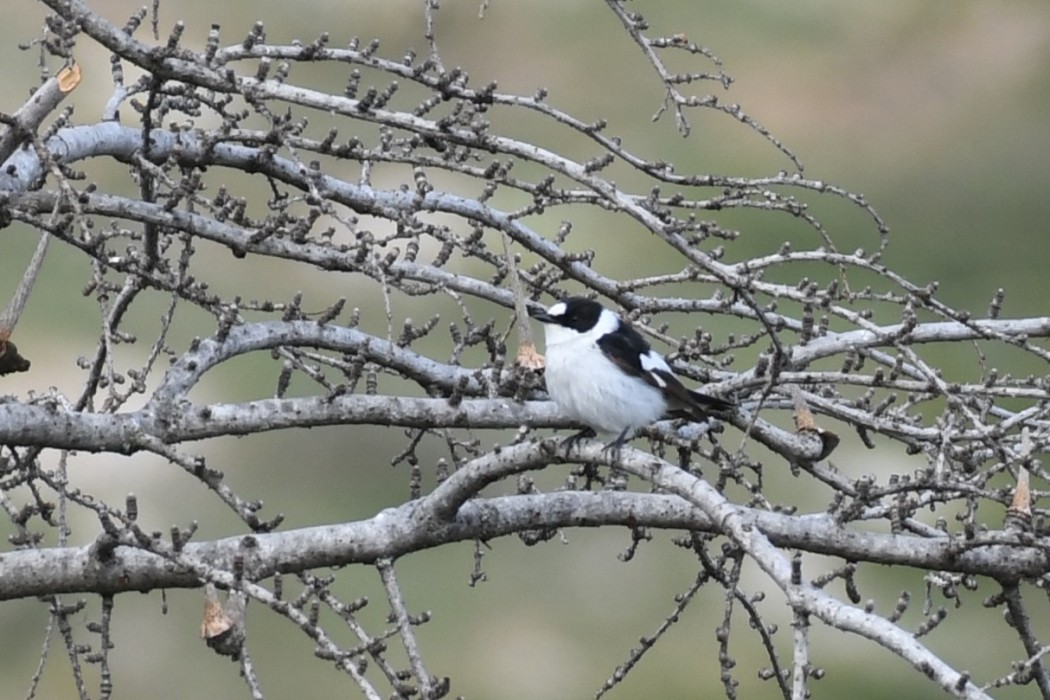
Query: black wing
<point x="626" y="348"/>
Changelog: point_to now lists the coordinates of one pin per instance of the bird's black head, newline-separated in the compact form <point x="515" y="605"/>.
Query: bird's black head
<point x="576" y="313"/>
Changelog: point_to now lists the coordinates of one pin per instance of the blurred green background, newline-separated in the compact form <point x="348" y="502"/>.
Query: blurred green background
<point x="937" y="111"/>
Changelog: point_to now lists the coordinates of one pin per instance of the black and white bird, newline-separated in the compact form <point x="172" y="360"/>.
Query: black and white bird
<point x="602" y="373"/>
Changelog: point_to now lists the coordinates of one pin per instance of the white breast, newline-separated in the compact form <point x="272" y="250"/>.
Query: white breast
<point x="591" y="389"/>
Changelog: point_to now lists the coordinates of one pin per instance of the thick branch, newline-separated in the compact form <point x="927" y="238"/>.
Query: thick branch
<point x="413" y="527"/>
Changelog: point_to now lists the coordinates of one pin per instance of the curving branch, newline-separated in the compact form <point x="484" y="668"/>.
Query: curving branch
<point x="403" y="530"/>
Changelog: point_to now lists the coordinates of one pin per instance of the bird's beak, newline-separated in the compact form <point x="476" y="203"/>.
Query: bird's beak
<point x="540" y="315"/>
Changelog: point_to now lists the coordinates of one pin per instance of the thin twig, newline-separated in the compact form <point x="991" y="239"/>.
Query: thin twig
<point x="404" y="626"/>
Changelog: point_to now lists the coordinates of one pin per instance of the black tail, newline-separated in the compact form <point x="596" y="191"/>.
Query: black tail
<point x="712" y="403"/>
<point x="701" y="406"/>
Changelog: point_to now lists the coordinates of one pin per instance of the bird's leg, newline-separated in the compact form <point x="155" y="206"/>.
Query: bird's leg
<point x="568" y="443"/>
<point x="614" y="448"/>
<point x="589" y="470"/>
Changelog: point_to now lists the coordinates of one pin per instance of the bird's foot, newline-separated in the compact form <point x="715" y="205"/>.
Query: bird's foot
<point x="588" y="470"/>
<point x="573" y="440"/>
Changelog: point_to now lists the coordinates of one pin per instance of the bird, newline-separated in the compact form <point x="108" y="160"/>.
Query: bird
<point x="602" y="373"/>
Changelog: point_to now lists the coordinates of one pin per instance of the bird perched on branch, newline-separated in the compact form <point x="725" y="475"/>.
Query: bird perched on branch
<point x="602" y="373"/>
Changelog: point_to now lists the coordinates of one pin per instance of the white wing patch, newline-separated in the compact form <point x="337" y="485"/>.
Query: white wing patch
<point x="651" y="361"/>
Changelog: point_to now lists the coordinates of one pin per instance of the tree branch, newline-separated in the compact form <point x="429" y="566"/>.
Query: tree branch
<point x="420" y="525"/>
